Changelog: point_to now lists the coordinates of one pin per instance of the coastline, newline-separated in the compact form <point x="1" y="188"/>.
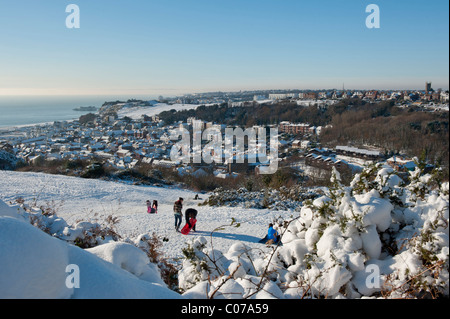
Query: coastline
<point x="23" y="126"/>
<point x="25" y="111"/>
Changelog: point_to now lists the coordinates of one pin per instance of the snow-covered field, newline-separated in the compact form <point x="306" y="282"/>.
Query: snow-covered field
<point x="137" y="112"/>
<point x="79" y="199"/>
<point x="377" y="238"/>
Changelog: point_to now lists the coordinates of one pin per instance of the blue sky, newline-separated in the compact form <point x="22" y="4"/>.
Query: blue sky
<point x="139" y="47"/>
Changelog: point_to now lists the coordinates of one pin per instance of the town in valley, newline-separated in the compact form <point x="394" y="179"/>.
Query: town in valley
<point x="117" y="139"/>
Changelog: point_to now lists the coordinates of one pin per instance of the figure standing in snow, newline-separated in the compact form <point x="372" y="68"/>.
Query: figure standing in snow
<point x="188" y="214"/>
<point x="177" y="210"/>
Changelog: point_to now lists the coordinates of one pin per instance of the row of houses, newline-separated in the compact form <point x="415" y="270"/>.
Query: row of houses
<point x="299" y="128"/>
<point x="120" y="144"/>
<point x="371" y="155"/>
<point x="405" y="95"/>
<point x="345" y="156"/>
<point x="326" y="97"/>
<point x="325" y="162"/>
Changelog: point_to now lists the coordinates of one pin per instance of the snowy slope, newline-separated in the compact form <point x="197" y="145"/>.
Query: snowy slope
<point x="34" y="266"/>
<point x="93" y="200"/>
<point x="376" y="238"/>
<point x="137" y="112"/>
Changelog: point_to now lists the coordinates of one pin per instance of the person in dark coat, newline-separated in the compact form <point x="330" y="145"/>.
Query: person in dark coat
<point x="177" y="211"/>
<point x="190" y="213"/>
<point x="155" y="206"/>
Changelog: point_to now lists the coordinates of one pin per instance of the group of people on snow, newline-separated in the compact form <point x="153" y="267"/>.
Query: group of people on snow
<point x="152" y="208"/>
<point x="189" y="214"/>
<point x="272" y="237"/>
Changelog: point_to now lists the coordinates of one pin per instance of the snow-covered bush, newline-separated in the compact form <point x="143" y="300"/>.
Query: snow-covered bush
<point x="211" y="274"/>
<point x="283" y="198"/>
<point x="152" y="245"/>
<point x="84" y="234"/>
<point x="379" y="237"/>
<point x="8" y="160"/>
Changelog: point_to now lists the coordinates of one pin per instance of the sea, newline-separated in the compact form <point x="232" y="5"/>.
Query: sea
<point x="28" y="110"/>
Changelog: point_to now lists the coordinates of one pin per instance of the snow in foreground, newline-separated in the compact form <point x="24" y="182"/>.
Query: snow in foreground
<point x="379" y="237"/>
<point x="36" y="265"/>
<point x="84" y="200"/>
<point x="81" y="205"/>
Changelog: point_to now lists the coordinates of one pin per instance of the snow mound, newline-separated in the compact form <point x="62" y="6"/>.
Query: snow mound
<point x="35" y="265"/>
<point x="129" y="258"/>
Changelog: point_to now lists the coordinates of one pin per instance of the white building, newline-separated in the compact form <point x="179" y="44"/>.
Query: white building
<point x="283" y="96"/>
<point x="259" y="98"/>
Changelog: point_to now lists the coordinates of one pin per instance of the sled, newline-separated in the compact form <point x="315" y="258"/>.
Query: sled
<point x="186" y="229"/>
<point x="270" y="242"/>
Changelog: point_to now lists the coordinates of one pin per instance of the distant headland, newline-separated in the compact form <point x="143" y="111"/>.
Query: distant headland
<point x="85" y="108"/>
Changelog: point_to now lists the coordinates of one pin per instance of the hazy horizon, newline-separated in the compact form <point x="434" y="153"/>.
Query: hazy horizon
<point x="123" y="96"/>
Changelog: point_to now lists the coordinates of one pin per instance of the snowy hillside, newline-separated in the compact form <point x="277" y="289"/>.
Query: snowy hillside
<point x="378" y="238"/>
<point x="35" y="265"/>
<point x="89" y="200"/>
<point x="81" y="203"/>
<point x="137" y="112"/>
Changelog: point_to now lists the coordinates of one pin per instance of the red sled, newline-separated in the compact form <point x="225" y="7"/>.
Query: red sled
<point x="186" y="229"/>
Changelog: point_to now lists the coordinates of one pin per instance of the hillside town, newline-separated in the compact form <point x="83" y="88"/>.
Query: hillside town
<point x="122" y="142"/>
<point x="428" y="97"/>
